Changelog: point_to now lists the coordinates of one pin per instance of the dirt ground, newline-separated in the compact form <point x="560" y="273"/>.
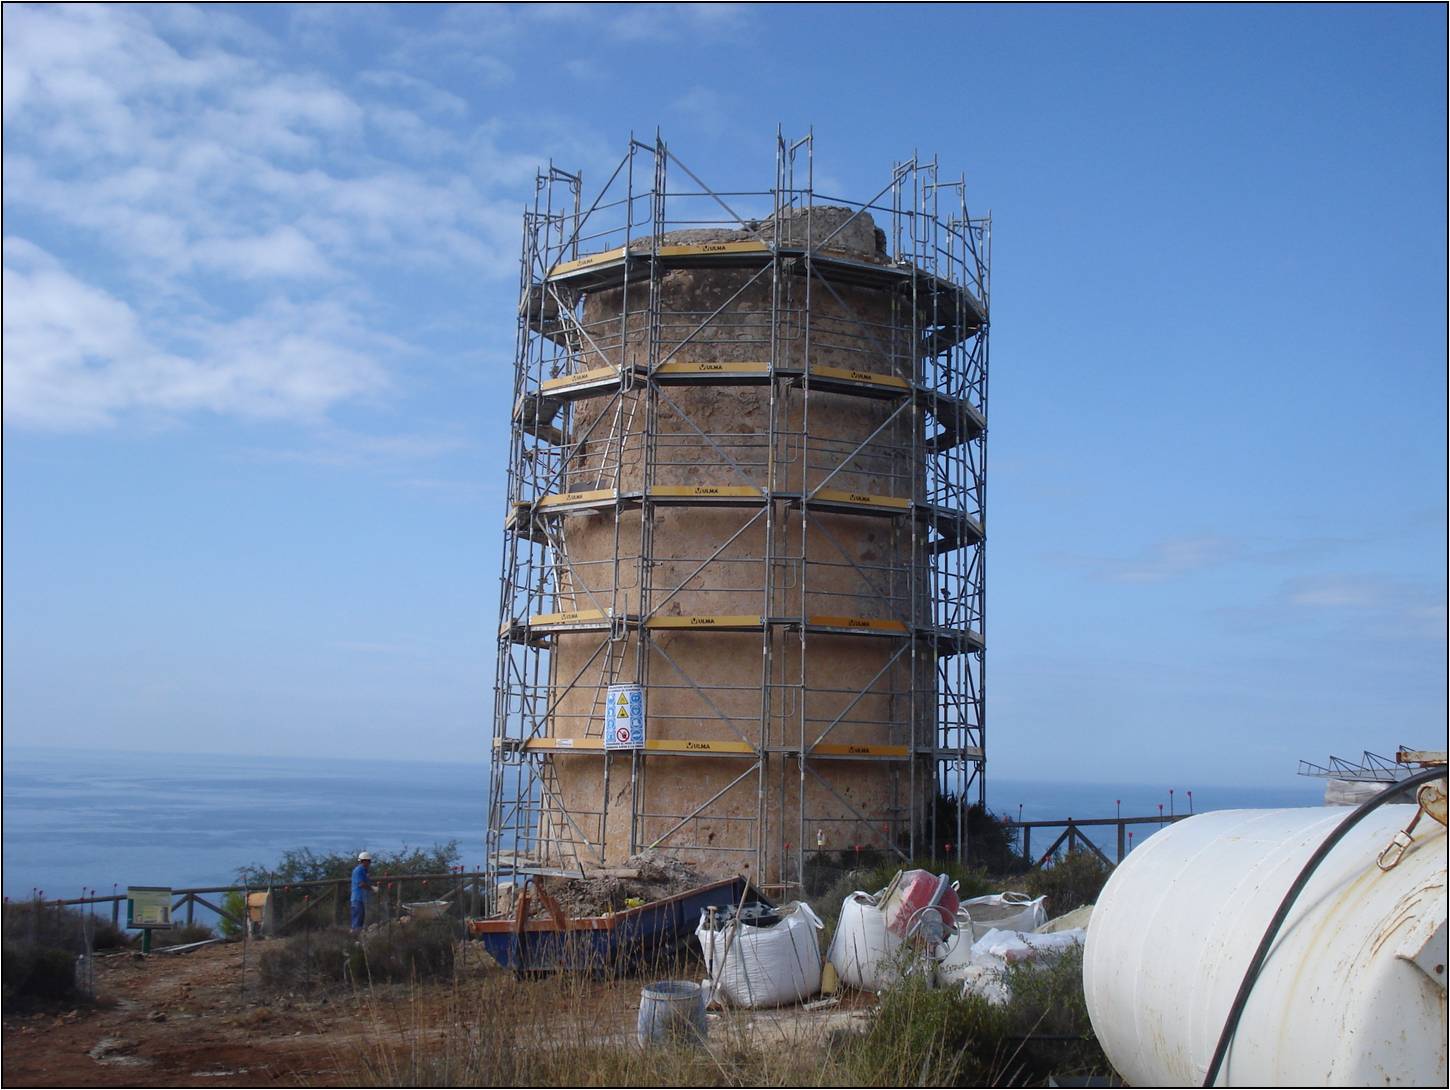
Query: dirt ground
<point x="202" y="1019"/>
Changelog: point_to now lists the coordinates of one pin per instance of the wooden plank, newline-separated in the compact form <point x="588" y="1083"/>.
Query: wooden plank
<point x="705" y="491"/>
<point x="863" y="624"/>
<point x="676" y="747"/>
<point x="847" y="749"/>
<point x="564" y="383"/>
<point x="677" y="367"/>
<point x="582" y="745"/>
<point x="564" y="268"/>
<point x="573" y="616"/>
<point x="861" y="378"/>
<point x="714" y="249"/>
<point x="687" y="747"/>
<point x="858" y="499"/>
<point x="215" y="908"/>
<point x="729" y="621"/>
<point x="187" y="947"/>
<point x="590" y="496"/>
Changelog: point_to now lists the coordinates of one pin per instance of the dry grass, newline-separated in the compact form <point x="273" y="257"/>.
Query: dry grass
<point x="573" y="1031"/>
<point x="491" y="1029"/>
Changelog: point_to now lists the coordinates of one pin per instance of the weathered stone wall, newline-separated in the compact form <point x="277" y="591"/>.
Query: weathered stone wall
<point x="840" y="564"/>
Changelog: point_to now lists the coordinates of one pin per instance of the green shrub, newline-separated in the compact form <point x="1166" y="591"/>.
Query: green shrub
<point x="991" y="840"/>
<point x="303" y="865"/>
<point x="107" y="936"/>
<point x="234" y="902"/>
<point x="928" y="1037"/>
<point x="34" y="973"/>
<point x="32" y="923"/>
<point x="991" y="848"/>
<point x="325" y="959"/>
<point x="1069" y="881"/>
<point x="181" y="934"/>
<point x="1048" y="1009"/>
<point x="313" y="959"/>
<point x="417" y="951"/>
<point x="935" y="1037"/>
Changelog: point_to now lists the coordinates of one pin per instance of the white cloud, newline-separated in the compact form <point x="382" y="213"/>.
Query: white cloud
<point x="1339" y="592"/>
<point x="340" y="447"/>
<point x="78" y="357"/>
<point x="1171" y="559"/>
<point x="283" y="252"/>
<point x="650" y="22"/>
<point x="1375" y="606"/>
<point x="222" y="225"/>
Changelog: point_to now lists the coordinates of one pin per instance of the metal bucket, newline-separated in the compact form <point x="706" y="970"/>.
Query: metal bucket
<point x="671" y="1011"/>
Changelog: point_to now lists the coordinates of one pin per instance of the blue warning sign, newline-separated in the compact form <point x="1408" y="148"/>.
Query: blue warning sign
<point x="624" y="717"/>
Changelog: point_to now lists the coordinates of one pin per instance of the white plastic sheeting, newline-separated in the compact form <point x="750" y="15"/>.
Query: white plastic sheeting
<point x="979" y="967"/>
<point x="1006" y="912"/>
<point x="765" y="966"/>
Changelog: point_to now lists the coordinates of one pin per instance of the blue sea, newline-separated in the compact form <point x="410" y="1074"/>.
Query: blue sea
<point x="95" y="820"/>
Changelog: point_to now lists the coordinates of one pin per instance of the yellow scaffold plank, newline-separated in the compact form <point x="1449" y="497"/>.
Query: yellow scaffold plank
<point x="690" y="746"/>
<point x="711" y="249"/>
<point x="564" y="383"/>
<point x="839" y="749"/>
<point x="566" y="267"/>
<point x="753" y="367"/>
<point x="704" y="249"/>
<point x="705" y="492"/>
<point x="569" y="617"/>
<point x="565" y="499"/>
<point x="862" y="624"/>
<point x="859" y="499"/>
<point x="585" y="745"/>
<point x="678" y="747"/>
<point x="728" y="621"/>
<point x="861" y="378"/>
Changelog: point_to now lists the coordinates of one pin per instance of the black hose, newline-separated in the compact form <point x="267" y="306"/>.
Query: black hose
<point x="1262" y="953"/>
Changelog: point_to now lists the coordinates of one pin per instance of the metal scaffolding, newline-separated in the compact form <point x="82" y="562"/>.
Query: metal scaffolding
<point x="610" y="449"/>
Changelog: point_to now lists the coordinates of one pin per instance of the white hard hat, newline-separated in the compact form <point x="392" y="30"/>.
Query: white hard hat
<point x="364" y="857"/>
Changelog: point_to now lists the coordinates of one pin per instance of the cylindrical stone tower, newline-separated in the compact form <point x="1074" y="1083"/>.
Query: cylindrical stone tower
<point x="728" y="492"/>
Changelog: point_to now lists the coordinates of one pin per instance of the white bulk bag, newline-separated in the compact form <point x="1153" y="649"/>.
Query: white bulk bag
<point x="765" y="966"/>
<point x="1005" y="912"/>
<point x="866" y="955"/>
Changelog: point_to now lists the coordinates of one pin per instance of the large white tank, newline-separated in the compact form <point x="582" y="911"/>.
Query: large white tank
<point x="1352" y="992"/>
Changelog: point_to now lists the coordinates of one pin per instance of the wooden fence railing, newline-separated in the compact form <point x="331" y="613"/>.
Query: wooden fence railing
<point x="465" y="892"/>
<point x="1074" y="835"/>
<point x="462" y="889"/>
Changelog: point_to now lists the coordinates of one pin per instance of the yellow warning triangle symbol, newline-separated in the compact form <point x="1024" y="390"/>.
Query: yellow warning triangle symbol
<point x="623" y="700"/>
<point x="623" y="713"/>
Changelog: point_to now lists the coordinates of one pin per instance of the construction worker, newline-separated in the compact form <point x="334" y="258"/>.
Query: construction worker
<point x="362" y="885"/>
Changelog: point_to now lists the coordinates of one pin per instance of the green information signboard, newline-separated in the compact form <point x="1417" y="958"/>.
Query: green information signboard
<point x="148" y="907"/>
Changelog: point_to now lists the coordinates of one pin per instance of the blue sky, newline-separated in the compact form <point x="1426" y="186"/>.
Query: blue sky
<point x="259" y="268"/>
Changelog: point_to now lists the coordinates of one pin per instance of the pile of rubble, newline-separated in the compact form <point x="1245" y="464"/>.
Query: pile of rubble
<point x="649" y="876"/>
